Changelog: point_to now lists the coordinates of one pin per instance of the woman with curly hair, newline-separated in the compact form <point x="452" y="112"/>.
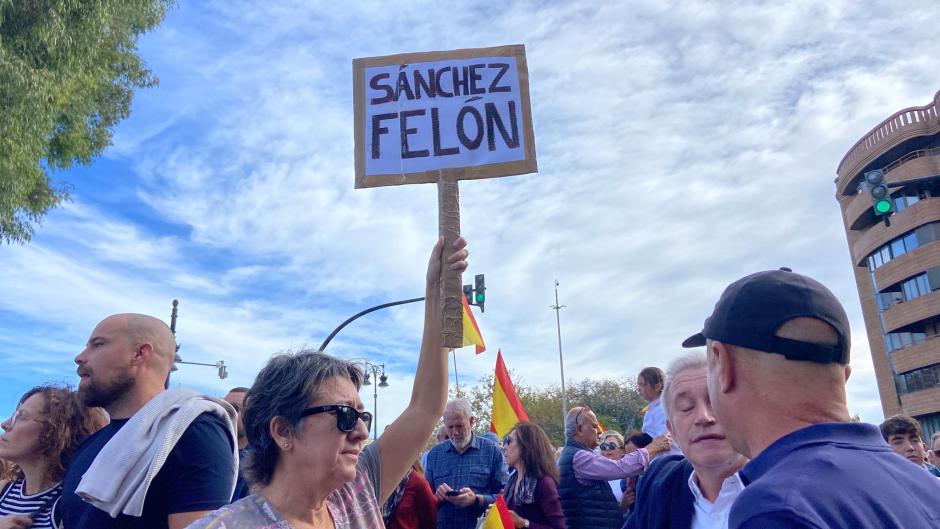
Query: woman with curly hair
<point x="39" y="440"/>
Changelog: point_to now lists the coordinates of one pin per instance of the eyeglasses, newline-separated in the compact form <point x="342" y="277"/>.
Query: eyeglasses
<point x="18" y="416"/>
<point x="346" y="416"/>
<point x="610" y="446"/>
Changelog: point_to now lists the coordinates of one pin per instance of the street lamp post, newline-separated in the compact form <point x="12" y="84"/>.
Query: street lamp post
<point x="220" y="365"/>
<point x="564" y="394"/>
<point x="382" y="383"/>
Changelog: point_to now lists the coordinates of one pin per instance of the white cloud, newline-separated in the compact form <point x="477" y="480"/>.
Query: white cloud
<point x="681" y="145"/>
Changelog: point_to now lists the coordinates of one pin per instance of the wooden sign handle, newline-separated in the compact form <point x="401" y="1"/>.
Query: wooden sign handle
<point x="448" y="200"/>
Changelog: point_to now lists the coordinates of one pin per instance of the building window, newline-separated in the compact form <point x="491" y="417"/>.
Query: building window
<point x="919" y="379"/>
<point x="900" y="340"/>
<point x="906" y="199"/>
<point x="903" y="244"/>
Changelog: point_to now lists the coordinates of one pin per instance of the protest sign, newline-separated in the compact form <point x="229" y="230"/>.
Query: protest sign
<point x="440" y="117"/>
<point x="419" y="113"/>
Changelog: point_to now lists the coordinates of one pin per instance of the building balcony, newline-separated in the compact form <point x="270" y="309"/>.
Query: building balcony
<point x="857" y="212"/>
<point x="921" y="402"/>
<point x="908" y="265"/>
<point x="913" y="311"/>
<point x="916" y="356"/>
<point x="917" y="215"/>
<point x="902" y="125"/>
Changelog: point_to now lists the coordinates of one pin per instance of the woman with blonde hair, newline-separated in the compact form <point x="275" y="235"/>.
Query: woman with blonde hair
<point x="40" y="439"/>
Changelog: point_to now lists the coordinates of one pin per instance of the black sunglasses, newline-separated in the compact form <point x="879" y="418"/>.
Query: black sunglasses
<point x="346" y="416"/>
<point x="579" y="414"/>
<point x="610" y="446"/>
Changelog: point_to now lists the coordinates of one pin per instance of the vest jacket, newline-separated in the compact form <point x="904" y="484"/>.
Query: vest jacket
<point x="586" y="507"/>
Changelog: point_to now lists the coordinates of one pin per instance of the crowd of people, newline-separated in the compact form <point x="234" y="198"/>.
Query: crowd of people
<point x="752" y="433"/>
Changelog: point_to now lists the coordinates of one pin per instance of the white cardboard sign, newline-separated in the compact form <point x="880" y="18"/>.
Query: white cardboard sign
<point x="418" y="114"/>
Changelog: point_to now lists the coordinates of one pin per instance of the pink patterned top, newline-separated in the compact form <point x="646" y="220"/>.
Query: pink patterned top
<point x="352" y="506"/>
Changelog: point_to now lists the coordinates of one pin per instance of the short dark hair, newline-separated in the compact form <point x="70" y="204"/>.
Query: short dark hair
<point x="653" y="376"/>
<point x="538" y="456"/>
<point x="901" y="425"/>
<point x="238" y="389"/>
<point x="283" y="388"/>
<point x="638" y="438"/>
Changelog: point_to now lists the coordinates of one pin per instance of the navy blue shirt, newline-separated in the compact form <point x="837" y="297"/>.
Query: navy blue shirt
<point x="481" y="467"/>
<point x="197" y="476"/>
<point x="835" y="475"/>
<point x="241" y="483"/>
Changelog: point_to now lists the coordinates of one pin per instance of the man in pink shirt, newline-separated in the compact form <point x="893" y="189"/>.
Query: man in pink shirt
<point x="586" y="497"/>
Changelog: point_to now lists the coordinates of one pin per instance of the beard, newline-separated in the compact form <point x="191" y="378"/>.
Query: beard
<point x="460" y="444"/>
<point x="102" y="394"/>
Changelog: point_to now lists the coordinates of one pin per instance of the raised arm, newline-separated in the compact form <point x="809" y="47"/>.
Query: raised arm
<point x="403" y="440"/>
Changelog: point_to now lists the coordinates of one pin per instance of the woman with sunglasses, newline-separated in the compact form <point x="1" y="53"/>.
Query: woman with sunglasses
<point x="39" y="440"/>
<point x="612" y="448"/>
<point x="306" y="428"/>
<point x="532" y="491"/>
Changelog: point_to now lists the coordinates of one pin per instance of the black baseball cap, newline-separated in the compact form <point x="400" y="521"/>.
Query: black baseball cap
<point x="751" y="309"/>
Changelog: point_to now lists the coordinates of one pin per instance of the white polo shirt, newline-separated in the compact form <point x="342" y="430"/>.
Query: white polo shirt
<point x="708" y="515"/>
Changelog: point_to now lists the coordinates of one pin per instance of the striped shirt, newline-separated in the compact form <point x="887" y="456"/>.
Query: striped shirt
<point x="14" y="500"/>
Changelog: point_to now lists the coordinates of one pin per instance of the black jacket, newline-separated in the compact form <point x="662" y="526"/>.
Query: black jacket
<point x="663" y="498"/>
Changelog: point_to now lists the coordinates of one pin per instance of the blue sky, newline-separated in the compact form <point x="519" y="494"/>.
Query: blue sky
<point x="681" y="145"/>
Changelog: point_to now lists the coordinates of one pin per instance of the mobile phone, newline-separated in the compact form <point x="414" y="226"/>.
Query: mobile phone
<point x="453" y="493"/>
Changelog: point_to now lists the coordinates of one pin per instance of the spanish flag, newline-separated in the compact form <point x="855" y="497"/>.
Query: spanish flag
<point x="600" y="426"/>
<point x="498" y="516"/>
<point x="507" y="408"/>
<point x="471" y="331"/>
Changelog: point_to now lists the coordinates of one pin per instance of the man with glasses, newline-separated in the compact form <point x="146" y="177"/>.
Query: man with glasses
<point x="586" y="497"/>
<point x="466" y="473"/>
<point x="236" y="397"/>
<point x="173" y="454"/>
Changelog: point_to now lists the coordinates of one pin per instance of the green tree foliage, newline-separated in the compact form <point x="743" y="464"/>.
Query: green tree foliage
<point x="68" y="69"/>
<point x="615" y="401"/>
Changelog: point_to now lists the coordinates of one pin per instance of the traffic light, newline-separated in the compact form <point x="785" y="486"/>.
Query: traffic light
<point x="479" y="296"/>
<point x="468" y="293"/>
<point x="881" y="200"/>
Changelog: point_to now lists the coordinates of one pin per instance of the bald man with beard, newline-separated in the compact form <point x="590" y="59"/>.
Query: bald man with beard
<point x="777" y="352"/>
<point x="123" y="369"/>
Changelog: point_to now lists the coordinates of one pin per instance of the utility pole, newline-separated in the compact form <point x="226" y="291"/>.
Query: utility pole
<point x="561" y="361"/>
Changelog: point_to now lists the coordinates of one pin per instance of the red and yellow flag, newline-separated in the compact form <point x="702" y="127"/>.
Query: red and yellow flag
<point x="507" y="408"/>
<point x="600" y="426"/>
<point x="498" y="516"/>
<point x="471" y="331"/>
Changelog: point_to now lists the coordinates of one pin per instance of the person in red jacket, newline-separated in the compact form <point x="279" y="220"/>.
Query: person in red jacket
<point x="412" y="505"/>
<point x="532" y="490"/>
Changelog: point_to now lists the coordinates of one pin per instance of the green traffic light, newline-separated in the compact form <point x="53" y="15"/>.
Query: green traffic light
<point x="882" y="206"/>
<point x="480" y="298"/>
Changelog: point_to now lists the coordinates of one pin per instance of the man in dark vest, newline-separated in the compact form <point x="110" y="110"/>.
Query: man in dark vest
<point x="585" y="494"/>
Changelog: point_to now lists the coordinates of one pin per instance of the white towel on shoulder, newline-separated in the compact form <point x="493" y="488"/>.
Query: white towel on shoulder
<point x="118" y="479"/>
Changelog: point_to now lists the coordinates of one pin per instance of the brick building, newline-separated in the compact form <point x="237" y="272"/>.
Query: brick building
<point x="897" y="267"/>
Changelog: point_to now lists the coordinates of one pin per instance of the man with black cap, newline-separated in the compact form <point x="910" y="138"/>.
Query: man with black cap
<point x="777" y="347"/>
